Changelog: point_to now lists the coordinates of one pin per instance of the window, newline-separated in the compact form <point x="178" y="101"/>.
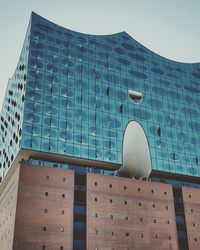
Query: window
<point x="140" y="204"/>
<point x="44" y="228"/>
<point x="167" y="221"/>
<point x="112" y="233"/>
<point x="127" y="234"/>
<point x="95" y="199"/>
<point x="195" y="239"/>
<point x="154" y="221"/>
<point x="95" y="183"/>
<point x="166" y="207"/>
<point x="191" y="210"/>
<point x="43" y="247"/>
<point x="135" y="96"/>
<point x="111" y="201"/>
<point x="159" y="131"/>
<point x="47" y="177"/>
<point x="193" y="224"/>
<point x="126" y="217"/>
<point x="152" y="191"/>
<point x="63" y="179"/>
<point x="45" y="210"/>
<point x="140" y="219"/>
<point x="63" y="195"/>
<point x="153" y="205"/>
<point x="125" y="202"/>
<point x="165" y="193"/>
<point x="111" y="216"/>
<point x="96" y="232"/>
<point x="190" y="196"/>
<point x="46" y="194"/>
<point x="96" y="215"/>
<point x="62" y="211"/>
<point x="170" y="237"/>
<point x="110" y="185"/>
<point x="139" y="189"/>
<point x="61" y="248"/>
<point x="124" y="187"/>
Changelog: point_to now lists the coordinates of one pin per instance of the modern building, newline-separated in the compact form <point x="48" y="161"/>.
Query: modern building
<point x="99" y="145"/>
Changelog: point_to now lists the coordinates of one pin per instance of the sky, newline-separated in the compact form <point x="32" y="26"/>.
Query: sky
<point x="167" y="27"/>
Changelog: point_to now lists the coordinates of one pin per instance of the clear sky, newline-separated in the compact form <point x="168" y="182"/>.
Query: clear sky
<point x="168" y="27"/>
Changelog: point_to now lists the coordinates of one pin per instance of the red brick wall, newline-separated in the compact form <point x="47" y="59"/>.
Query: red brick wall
<point x="44" y="217"/>
<point x="129" y="214"/>
<point x="8" y="200"/>
<point x="191" y="199"/>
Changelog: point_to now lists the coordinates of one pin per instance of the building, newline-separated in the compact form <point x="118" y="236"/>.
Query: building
<point x="99" y="145"/>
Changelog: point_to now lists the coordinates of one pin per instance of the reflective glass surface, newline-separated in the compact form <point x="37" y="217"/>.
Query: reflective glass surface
<point x="77" y="102"/>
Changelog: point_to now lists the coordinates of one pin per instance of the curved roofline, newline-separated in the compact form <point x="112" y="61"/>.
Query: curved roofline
<point x="81" y="33"/>
<point x="166" y="58"/>
<point x="115" y="34"/>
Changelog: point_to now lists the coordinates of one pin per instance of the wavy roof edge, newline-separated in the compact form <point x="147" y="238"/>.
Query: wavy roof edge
<point x="113" y="35"/>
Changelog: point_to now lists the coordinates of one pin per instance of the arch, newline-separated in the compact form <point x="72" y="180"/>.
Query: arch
<point x="136" y="153"/>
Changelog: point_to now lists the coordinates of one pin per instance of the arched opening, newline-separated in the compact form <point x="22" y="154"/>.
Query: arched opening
<point x="136" y="153"/>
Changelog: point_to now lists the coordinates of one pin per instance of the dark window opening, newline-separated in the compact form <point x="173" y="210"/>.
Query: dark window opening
<point x="107" y="91"/>
<point x="121" y="108"/>
<point x="159" y="131"/>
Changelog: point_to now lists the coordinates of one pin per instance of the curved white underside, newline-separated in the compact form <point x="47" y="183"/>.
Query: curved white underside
<point x="136" y="154"/>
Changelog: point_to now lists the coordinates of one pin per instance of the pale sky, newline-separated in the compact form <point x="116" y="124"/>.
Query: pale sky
<point x="167" y="27"/>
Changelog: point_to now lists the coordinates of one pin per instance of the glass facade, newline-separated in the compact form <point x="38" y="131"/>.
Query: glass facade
<point x="73" y="99"/>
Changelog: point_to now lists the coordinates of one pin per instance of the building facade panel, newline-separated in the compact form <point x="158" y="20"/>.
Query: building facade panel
<point x="191" y="198"/>
<point x="44" y="217"/>
<point x="8" y="201"/>
<point x="129" y="214"/>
